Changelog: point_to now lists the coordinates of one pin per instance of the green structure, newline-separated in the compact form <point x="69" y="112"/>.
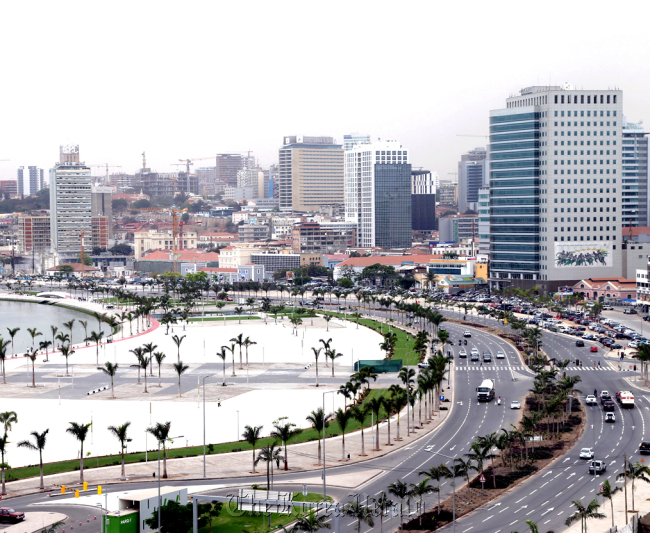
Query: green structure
<point x="381" y="365"/>
<point x="124" y="522"/>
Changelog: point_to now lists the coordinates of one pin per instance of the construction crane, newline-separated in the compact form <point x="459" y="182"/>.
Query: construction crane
<point x="175" y="233"/>
<point x="106" y="166"/>
<point x="188" y="162"/>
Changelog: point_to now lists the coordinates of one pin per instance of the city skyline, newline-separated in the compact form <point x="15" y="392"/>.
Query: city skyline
<point x="116" y="121"/>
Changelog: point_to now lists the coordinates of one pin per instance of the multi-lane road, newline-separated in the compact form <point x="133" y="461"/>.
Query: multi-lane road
<point x="545" y="498"/>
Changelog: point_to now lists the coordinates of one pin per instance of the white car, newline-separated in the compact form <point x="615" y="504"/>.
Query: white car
<point x="609" y="417"/>
<point x="423" y="364"/>
<point x="501" y="355"/>
<point x="515" y="405"/>
<point x="591" y="400"/>
<point x="474" y="351"/>
<point x="467" y="333"/>
<point x="462" y="353"/>
<point x="587" y="453"/>
<point x="633" y="344"/>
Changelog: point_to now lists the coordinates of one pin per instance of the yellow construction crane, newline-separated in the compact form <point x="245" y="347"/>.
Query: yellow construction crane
<point x="175" y="232"/>
<point x="106" y="166"/>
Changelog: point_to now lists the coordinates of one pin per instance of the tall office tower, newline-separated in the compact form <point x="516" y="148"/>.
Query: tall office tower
<point x="423" y="200"/>
<point x="472" y="174"/>
<point x="101" y="205"/>
<point x="351" y="140"/>
<point x="271" y="178"/>
<point x="555" y="187"/>
<point x="311" y="173"/>
<point x="484" y="220"/>
<point x="253" y="178"/>
<point x="70" y="203"/>
<point x="35" y="179"/>
<point x="634" y="154"/>
<point x="378" y="194"/>
<point x="20" y="178"/>
<point x="227" y="167"/>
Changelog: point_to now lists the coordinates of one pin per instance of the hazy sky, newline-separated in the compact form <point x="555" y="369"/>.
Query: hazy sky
<point x="192" y="79"/>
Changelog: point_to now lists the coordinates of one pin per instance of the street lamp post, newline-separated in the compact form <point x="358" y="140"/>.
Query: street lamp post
<point x="324" y="425"/>
<point x="453" y="484"/>
<point x="159" y="498"/>
<point x="206" y="377"/>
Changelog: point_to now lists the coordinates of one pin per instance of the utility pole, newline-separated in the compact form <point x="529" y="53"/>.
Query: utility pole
<point x="625" y="483"/>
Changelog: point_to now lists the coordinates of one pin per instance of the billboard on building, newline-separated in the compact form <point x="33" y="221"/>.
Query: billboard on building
<point x="597" y="254"/>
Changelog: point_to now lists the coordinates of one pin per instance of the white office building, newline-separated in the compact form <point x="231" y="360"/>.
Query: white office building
<point x="555" y="187"/>
<point x="70" y="203"/>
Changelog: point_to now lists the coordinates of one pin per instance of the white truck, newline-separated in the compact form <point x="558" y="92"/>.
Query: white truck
<point x="627" y="399"/>
<point x="485" y="392"/>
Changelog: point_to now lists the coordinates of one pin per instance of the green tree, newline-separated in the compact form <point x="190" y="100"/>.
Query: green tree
<point x="110" y="369"/>
<point x="343" y="418"/>
<point x="161" y="433"/>
<point x="177" y="341"/>
<point x="584" y="513"/>
<point x="361" y="513"/>
<point x="437" y="473"/>
<point x="79" y="432"/>
<point x="7" y="419"/>
<point x="607" y="492"/>
<point x="269" y="454"/>
<point x="420" y="490"/>
<point x="121" y="434"/>
<point x="177" y="518"/>
<point x="12" y="334"/>
<point x="319" y="421"/>
<point x="96" y="337"/>
<point x="180" y="370"/>
<point x="311" y="522"/>
<point x="252" y="435"/>
<point x="284" y="431"/>
<point x="400" y="490"/>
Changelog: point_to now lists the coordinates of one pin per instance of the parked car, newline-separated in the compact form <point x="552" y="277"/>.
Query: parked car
<point x="7" y="514"/>
<point x="423" y="364"/>
<point x="615" y="346"/>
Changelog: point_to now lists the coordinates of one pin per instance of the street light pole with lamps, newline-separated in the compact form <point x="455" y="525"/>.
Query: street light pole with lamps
<point x="324" y="426"/>
<point x="453" y="483"/>
<point x="159" y="498"/>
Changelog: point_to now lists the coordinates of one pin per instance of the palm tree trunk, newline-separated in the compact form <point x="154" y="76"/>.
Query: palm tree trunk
<point x="388" y="418"/>
<point x="343" y="447"/>
<point x="286" y="459"/>
<point x="145" y="381"/>
<point x="81" y="463"/>
<point x="319" y="448"/>
<point x="164" y="461"/>
<point x="123" y="470"/>
<point x="41" y="464"/>
<point x="363" y="448"/>
<point x="4" y="490"/>
<point x="377" y="445"/>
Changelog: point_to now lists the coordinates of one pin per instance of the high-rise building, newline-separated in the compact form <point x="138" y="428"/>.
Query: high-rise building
<point x="484" y="220"/>
<point x="378" y="194"/>
<point x="227" y="167"/>
<point x="458" y="228"/>
<point x="70" y="203"/>
<point x="555" y="187"/>
<point x="271" y="182"/>
<point x="423" y="201"/>
<point x="35" y="179"/>
<point x="102" y="206"/>
<point x="20" y="178"/>
<point x="311" y="173"/>
<point x="634" y="155"/>
<point x="472" y="175"/>
<point x="353" y="139"/>
<point x="254" y="178"/>
<point x="35" y="235"/>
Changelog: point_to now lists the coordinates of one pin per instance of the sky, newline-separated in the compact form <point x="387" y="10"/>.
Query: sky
<point x="192" y="79"/>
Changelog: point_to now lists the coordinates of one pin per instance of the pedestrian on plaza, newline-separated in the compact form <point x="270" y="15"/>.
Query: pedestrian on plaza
<point x="219" y="403"/>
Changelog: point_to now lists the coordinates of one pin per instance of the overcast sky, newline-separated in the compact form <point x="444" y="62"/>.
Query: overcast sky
<point x="192" y="79"/>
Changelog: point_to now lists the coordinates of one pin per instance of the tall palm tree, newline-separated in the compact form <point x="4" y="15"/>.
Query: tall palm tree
<point x="359" y="413"/>
<point x="232" y="351"/>
<point x="84" y="324"/>
<point x="161" y="433"/>
<point x="32" y="354"/>
<point x="180" y="370"/>
<point x="420" y="490"/>
<point x="400" y="490"/>
<point x="3" y="466"/>
<point x="269" y="454"/>
<point x="66" y="352"/>
<point x="374" y="406"/>
<point x="238" y="312"/>
<point x="80" y="432"/>
<point x="333" y="355"/>
<point x="177" y="341"/>
<point x="3" y="357"/>
<point x="635" y="471"/>
<point x="464" y="468"/>
<point x="44" y="345"/>
<point x="319" y="421"/>
<point x="607" y="492"/>
<point x="247" y="343"/>
<point x="343" y="418"/>
<point x="360" y="512"/>
<point x="54" y="330"/>
<point x="584" y="513"/>
<point x="252" y="435"/>
<point x="159" y="357"/>
<point x="222" y="355"/>
<point x="120" y="433"/>
<point x="143" y="362"/>
<point x="239" y="341"/>
<point x="284" y="431"/>
<point x="39" y="445"/>
<point x="437" y="473"/>
<point x="96" y="337"/>
<point x="149" y="348"/>
<point x="69" y="325"/>
<point x="311" y="522"/>
<point x="12" y="334"/>
<point x="317" y="352"/>
<point x="110" y="369"/>
<point x="383" y="503"/>
<point x="34" y="333"/>
<point x="7" y="419"/>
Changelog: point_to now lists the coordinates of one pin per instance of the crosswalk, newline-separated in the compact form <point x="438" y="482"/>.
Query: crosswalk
<point x="514" y="368"/>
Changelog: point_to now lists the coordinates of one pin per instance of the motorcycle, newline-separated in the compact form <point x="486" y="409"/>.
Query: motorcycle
<point x="499" y="401"/>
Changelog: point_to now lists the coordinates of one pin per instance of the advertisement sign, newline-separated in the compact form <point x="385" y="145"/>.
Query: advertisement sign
<point x="596" y="254"/>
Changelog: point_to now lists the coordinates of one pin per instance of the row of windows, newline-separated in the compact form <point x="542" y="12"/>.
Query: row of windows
<point x="582" y="143"/>
<point x="575" y="210"/>
<point x="515" y="238"/>
<point x="587" y="238"/>
<point x="575" y="123"/>
<point x="531" y="200"/>
<point x="582" y="97"/>
<point x="514" y="155"/>
<point x="531" y="173"/>
<point x="575" y="181"/>
<point x="575" y="171"/>
<point x="515" y="220"/>
<point x="575" y="200"/>
<point x="582" y="229"/>
<point x="514" y="164"/>
<point x="515" y="192"/>
<point x="582" y="152"/>
<point x="514" y="127"/>
<point x="512" y="266"/>
<point x="521" y="136"/>
<point x="513" y="257"/>
<point x="582" y="162"/>
<point x="514" y="211"/>
<point x="582" y="114"/>
<point x="575" y="219"/>
<point x="514" y="118"/>
<point x="496" y="184"/>
<point x="575" y="191"/>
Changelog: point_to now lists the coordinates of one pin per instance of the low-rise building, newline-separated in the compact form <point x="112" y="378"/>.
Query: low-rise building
<point x="603" y="289"/>
<point x="313" y="237"/>
<point x="161" y="261"/>
<point x="162" y="240"/>
<point x="235" y="255"/>
<point x="227" y="275"/>
<point x="34" y="234"/>
<point x="253" y="232"/>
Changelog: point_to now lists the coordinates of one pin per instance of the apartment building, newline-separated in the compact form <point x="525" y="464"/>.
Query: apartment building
<point x="149" y="240"/>
<point x="34" y="234"/>
<point x="311" y="237"/>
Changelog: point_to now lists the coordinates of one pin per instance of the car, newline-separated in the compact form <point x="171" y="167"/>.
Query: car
<point x="633" y="344"/>
<point x="7" y="514"/>
<point x="474" y="351"/>
<point x="605" y="395"/>
<point x="597" y="467"/>
<point x="462" y="353"/>
<point x="615" y="346"/>
<point x="587" y="453"/>
<point x="500" y="354"/>
<point x="467" y="333"/>
<point x="591" y="400"/>
<point x="487" y="357"/>
<point x="580" y="344"/>
<point x="474" y="356"/>
<point x="608" y="405"/>
<point x="610" y="417"/>
<point x="515" y="405"/>
<point x="593" y="348"/>
<point x="644" y="448"/>
<point x="423" y="364"/>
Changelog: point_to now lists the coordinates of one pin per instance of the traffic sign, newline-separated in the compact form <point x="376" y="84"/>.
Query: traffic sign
<point x="482" y="478"/>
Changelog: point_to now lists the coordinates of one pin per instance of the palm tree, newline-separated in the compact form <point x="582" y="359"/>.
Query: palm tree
<point x="327" y="320"/>
<point x="84" y="324"/>
<point x="374" y="406"/>
<point x="44" y="345"/>
<point x="239" y="340"/>
<point x="400" y="490"/>
<point x="319" y="421"/>
<point x="464" y="467"/>
<point x="232" y="351"/>
<point x="143" y="363"/>
<point x="269" y="454"/>
<point x="159" y="357"/>
<point x="239" y="311"/>
<point x="54" y="330"/>
<point x="343" y="418"/>
<point x="247" y="343"/>
<point x="66" y="352"/>
<point x="311" y="522"/>
<point x="180" y="369"/>
<point x="437" y="473"/>
<point x="359" y="512"/>
<point x="333" y="355"/>
<point x="316" y="356"/>
<point x="359" y="413"/>
<point x="222" y="355"/>
<point x="110" y="369"/>
<point x="69" y="325"/>
<point x="177" y="341"/>
<point x="96" y="337"/>
<point x="161" y="433"/>
<point x="7" y="419"/>
<point x="3" y="465"/>
<point x="284" y="431"/>
<point x="383" y="503"/>
<point x="34" y="333"/>
<point x="607" y="492"/>
<point x="120" y="433"/>
<point x="419" y="490"/>
<point x="3" y="357"/>
<point x="635" y="471"/>
<point x="584" y="513"/>
<point x="252" y="435"/>
<point x="12" y="334"/>
<point x="79" y="432"/>
<point x="40" y="439"/>
<point x="479" y="454"/>
<point x="32" y="354"/>
<point x="149" y="348"/>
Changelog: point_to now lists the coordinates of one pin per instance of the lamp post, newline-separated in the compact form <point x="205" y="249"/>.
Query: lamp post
<point x="159" y="499"/>
<point x="13" y="256"/>
<point x="324" y="425"/>
<point x="453" y="484"/>
<point x="206" y="377"/>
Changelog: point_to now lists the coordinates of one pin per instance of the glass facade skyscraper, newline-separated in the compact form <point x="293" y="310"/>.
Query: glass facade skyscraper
<point x="635" y="175"/>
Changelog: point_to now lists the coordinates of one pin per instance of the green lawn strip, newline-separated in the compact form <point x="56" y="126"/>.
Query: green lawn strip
<point x="229" y="522"/>
<point x="220" y="318"/>
<point x="192" y="451"/>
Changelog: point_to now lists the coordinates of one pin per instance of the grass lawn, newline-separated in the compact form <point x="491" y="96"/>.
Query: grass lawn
<point x="220" y="318"/>
<point x="229" y="522"/>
